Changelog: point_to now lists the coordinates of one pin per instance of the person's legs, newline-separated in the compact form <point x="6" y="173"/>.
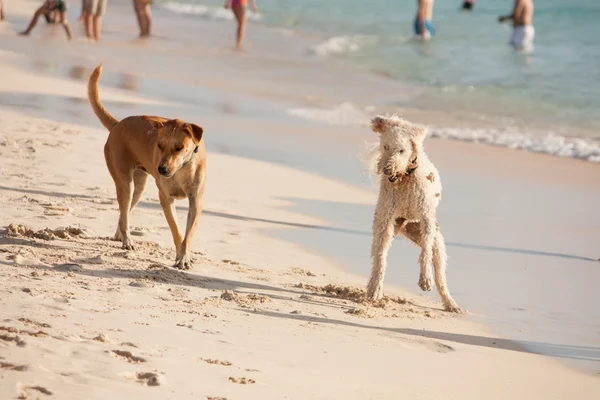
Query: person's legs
<point x="240" y="15"/>
<point x="98" y="13"/>
<point x="40" y="11"/>
<point x="90" y="10"/>
<point x="83" y="14"/>
<point x="147" y="19"/>
<point x="97" y="21"/>
<point x="65" y="23"/>
<point x="1" y="11"/>
<point x="137" y="6"/>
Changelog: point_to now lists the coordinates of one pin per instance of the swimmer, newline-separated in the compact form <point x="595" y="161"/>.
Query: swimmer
<point x="522" y="17"/>
<point x="423" y="26"/>
<point x="468" y="5"/>
<point x="239" y="11"/>
<point x="48" y="7"/>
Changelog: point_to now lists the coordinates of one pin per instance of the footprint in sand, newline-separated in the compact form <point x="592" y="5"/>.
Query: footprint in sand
<point x="242" y="381"/>
<point x="24" y="391"/>
<point x="127" y="356"/>
<point x="13" y="367"/>
<point x="31" y="322"/>
<point x="440" y="347"/>
<point x="216" y="362"/>
<point x="10" y="338"/>
<point x="145" y="378"/>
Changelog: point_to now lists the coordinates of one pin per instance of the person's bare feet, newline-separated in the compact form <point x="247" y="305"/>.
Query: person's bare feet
<point x="24" y="33"/>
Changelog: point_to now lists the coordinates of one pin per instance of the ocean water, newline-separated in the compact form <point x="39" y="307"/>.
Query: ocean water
<point x="468" y="67"/>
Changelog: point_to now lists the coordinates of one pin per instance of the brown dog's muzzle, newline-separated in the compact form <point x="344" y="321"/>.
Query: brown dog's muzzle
<point x="163" y="170"/>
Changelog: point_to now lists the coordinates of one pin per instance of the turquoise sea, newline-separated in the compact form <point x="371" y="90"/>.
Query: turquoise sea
<point x="468" y="64"/>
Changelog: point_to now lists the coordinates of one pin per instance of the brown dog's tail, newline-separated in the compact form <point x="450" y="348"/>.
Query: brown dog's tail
<point x="103" y="115"/>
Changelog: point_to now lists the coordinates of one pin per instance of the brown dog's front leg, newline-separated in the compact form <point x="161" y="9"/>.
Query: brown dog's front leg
<point x="169" y="210"/>
<point x="124" y="200"/>
<point x="184" y="260"/>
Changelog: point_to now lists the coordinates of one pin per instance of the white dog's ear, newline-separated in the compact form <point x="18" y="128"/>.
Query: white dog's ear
<point x="420" y="134"/>
<point x="378" y="124"/>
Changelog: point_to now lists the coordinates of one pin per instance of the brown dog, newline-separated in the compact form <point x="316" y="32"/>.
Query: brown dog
<point x="170" y="150"/>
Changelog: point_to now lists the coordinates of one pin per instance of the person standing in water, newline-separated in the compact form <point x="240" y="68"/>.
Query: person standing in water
<point x="522" y="19"/>
<point x="423" y="26"/>
<point x="144" y="17"/>
<point x="94" y="11"/>
<point x="239" y="11"/>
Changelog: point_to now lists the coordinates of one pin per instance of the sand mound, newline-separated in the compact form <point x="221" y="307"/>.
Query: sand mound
<point x="246" y="301"/>
<point x="69" y="232"/>
<point x="351" y="293"/>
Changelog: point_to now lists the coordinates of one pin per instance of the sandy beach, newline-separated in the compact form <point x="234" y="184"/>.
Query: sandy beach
<point x="274" y="307"/>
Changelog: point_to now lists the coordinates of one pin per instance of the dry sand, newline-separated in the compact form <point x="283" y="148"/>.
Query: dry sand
<point x="255" y="318"/>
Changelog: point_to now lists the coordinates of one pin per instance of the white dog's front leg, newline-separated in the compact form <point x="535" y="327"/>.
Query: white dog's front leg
<point x="383" y="234"/>
<point x="428" y="232"/>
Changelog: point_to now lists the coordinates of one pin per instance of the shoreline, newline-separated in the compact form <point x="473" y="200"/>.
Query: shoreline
<point x="313" y="88"/>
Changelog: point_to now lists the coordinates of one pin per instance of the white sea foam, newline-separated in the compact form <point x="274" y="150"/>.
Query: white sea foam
<point x="553" y="144"/>
<point x="549" y="143"/>
<point x="340" y="45"/>
<point x="345" y="114"/>
<point x="207" y="12"/>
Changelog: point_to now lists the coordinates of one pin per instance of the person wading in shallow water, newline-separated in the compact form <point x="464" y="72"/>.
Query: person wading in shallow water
<point x="423" y="26"/>
<point x="144" y="17"/>
<point x="522" y="20"/>
<point x="239" y="11"/>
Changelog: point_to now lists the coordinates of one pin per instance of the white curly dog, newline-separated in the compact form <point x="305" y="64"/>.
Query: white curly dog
<point x="408" y="197"/>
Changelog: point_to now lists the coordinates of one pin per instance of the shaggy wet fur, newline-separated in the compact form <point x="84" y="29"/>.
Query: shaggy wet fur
<point x="410" y="191"/>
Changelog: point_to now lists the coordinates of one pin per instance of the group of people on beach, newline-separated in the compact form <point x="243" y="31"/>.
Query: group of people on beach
<point x="521" y="17"/>
<point x="55" y="11"/>
<point x="92" y="11"/>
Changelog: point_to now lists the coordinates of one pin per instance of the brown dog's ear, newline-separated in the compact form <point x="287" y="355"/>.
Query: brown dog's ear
<point x="196" y="132"/>
<point x="155" y="124"/>
<point x="378" y="124"/>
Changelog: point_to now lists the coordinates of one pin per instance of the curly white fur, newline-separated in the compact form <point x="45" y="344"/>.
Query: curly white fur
<point x="409" y="193"/>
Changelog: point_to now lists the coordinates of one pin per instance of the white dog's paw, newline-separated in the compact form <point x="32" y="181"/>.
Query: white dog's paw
<point x="374" y="292"/>
<point x="185" y="262"/>
<point x="453" y="307"/>
<point x="425" y="283"/>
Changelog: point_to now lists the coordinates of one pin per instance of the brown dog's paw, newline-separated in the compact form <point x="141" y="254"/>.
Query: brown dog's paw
<point x="184" y="263"/>
<point x="128" y="244"/>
